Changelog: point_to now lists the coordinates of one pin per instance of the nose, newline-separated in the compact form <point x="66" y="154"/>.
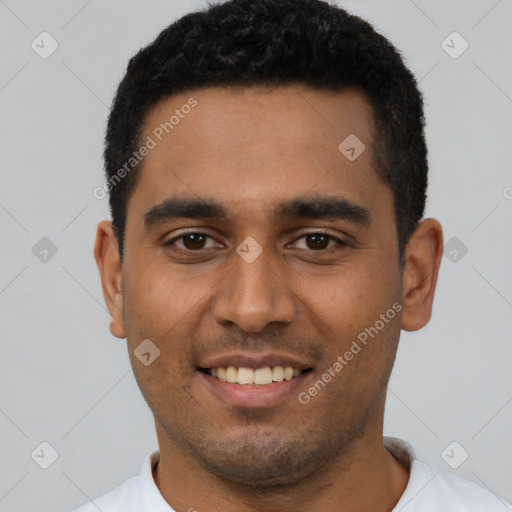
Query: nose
<point x="253" y="295"/>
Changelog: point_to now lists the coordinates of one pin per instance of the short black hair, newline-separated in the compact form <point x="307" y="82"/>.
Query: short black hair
<point x="277" y="43"/>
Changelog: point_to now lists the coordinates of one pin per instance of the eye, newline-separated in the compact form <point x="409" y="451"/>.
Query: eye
<point x="193" y="241"/>
<point x="196" y="241"/>
<point x="318" y="241"/>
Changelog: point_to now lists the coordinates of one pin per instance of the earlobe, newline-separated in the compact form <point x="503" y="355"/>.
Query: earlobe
<point x="107" y="258"/>
<point x="422" y="260"/>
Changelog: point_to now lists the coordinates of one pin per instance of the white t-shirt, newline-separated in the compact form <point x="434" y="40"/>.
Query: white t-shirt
<point x="428" y="490"/>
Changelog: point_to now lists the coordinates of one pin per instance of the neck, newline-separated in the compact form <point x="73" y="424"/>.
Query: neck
<point x="368" y="478"/>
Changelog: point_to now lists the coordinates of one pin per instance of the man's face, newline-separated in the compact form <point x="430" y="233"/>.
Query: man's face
<point x="300" y="303"/>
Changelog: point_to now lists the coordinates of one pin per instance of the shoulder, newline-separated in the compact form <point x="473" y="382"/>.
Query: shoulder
<point x="431" y="490"/>
<point x="440" y="490"/>
<point x="467" y="495"/>
<point x="135" y="494"/>
<point x="123" y="498"/>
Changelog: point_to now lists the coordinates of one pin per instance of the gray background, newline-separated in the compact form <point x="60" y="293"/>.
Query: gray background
<point x="66" y="381"/>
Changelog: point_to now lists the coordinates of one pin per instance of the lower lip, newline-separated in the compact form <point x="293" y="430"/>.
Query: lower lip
<point x="268" y="395"/>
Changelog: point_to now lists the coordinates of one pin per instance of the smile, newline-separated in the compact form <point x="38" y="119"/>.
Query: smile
<point x="254" y="376"/>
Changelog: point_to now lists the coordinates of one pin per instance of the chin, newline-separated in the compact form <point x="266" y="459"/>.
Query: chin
<point x="265" y="461"/>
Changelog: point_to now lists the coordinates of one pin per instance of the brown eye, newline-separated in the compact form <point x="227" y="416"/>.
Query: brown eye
<point x="319" y="241"/>
<point x="191" y="241"/>
<point x="194" y="241"/>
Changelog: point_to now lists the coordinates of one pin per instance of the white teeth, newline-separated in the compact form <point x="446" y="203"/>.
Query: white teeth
<point x="231" y="374"/>
<point x="278" y="373"/>
<point x="257" y="376"/>
<point x="221" y="374"/>
<point x="245" y="375"/>
<point x="263" y="375"/>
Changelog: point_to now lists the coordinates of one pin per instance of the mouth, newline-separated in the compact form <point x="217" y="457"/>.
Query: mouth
<point x="254" y="380"/>
<point x="246" y="376"/>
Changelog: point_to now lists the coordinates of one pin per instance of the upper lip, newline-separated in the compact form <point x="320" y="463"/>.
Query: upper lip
<point x="254" y="360"/>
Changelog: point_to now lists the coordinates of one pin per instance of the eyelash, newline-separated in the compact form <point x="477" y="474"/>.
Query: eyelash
<point x="309" y="233"/>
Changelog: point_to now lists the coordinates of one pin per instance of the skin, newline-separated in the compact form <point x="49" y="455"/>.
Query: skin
<point x="251" y="149"/>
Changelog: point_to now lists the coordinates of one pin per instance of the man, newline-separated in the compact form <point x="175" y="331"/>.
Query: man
<point x="267" y="172"/>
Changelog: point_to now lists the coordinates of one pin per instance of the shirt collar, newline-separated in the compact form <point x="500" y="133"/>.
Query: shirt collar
<point x="152" y="498"/>
<point x="401" y="450"/>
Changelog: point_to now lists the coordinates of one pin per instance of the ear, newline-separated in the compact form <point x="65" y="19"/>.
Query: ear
<point x="106" y="254"/>
<point x="422" y="260"/>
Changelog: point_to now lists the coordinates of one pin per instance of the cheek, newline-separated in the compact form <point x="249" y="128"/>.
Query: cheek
<point x="165" y="305"/>
<point x="354" y="312"/>
<point x="156" y="310"/>
<point x="353" y="297"/>
<point x="158" y="299"/>
<point x="152" y="313"/>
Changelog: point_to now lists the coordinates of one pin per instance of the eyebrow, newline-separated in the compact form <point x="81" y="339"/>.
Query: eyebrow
<point x="316" y="207"/>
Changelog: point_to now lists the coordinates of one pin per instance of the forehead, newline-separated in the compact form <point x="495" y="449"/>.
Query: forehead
<point x="257" y="145"/>
<point x="225" y="117"/>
